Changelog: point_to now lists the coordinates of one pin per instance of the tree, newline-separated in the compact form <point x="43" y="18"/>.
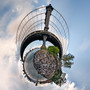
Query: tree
<point x="53" y="50"/>
<point x="56" y="76"/>
<point x="59" y="77"/>
<point x="68" y="60"/>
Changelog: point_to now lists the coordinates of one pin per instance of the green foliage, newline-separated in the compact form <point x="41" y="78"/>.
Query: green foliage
<point x="59" y="78"/>
<point x="45" y="48"/>
<point x="56" y="76"/>
<point x="68" y="57"/>
<point x="53" y="50"/>
<point x="67" y="60"/>
<point x="68" y="64"/>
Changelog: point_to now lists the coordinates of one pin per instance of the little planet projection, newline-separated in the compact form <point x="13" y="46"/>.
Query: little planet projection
<point x="42" y="62"/>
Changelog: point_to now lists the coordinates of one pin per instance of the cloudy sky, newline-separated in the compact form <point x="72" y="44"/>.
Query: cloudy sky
<point x="77" y="15"/>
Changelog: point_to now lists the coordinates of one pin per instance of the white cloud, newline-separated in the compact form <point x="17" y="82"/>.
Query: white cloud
<point x="10" y="79"/>
<point x="13" y="25"/>
<point x="69" y="86"/>
<point x="9" y="76"/>
<point x="17" y="10"/>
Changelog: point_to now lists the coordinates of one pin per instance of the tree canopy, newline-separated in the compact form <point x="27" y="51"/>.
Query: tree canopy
<point x="68" y="60"/>
<point x="53" y="50"/>
<point x="57" y="76"/>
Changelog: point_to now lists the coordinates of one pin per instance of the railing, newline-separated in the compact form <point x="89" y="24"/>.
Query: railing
<point x="35" y="20"/>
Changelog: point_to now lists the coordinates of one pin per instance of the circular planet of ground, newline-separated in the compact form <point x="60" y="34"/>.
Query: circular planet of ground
<point x="45" y="63"/>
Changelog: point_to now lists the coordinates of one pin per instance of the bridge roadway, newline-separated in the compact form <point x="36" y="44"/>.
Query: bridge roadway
<point x="38" y="35"/>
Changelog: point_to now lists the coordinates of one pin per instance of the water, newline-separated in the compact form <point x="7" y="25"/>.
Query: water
<point x="30" y="69"/>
